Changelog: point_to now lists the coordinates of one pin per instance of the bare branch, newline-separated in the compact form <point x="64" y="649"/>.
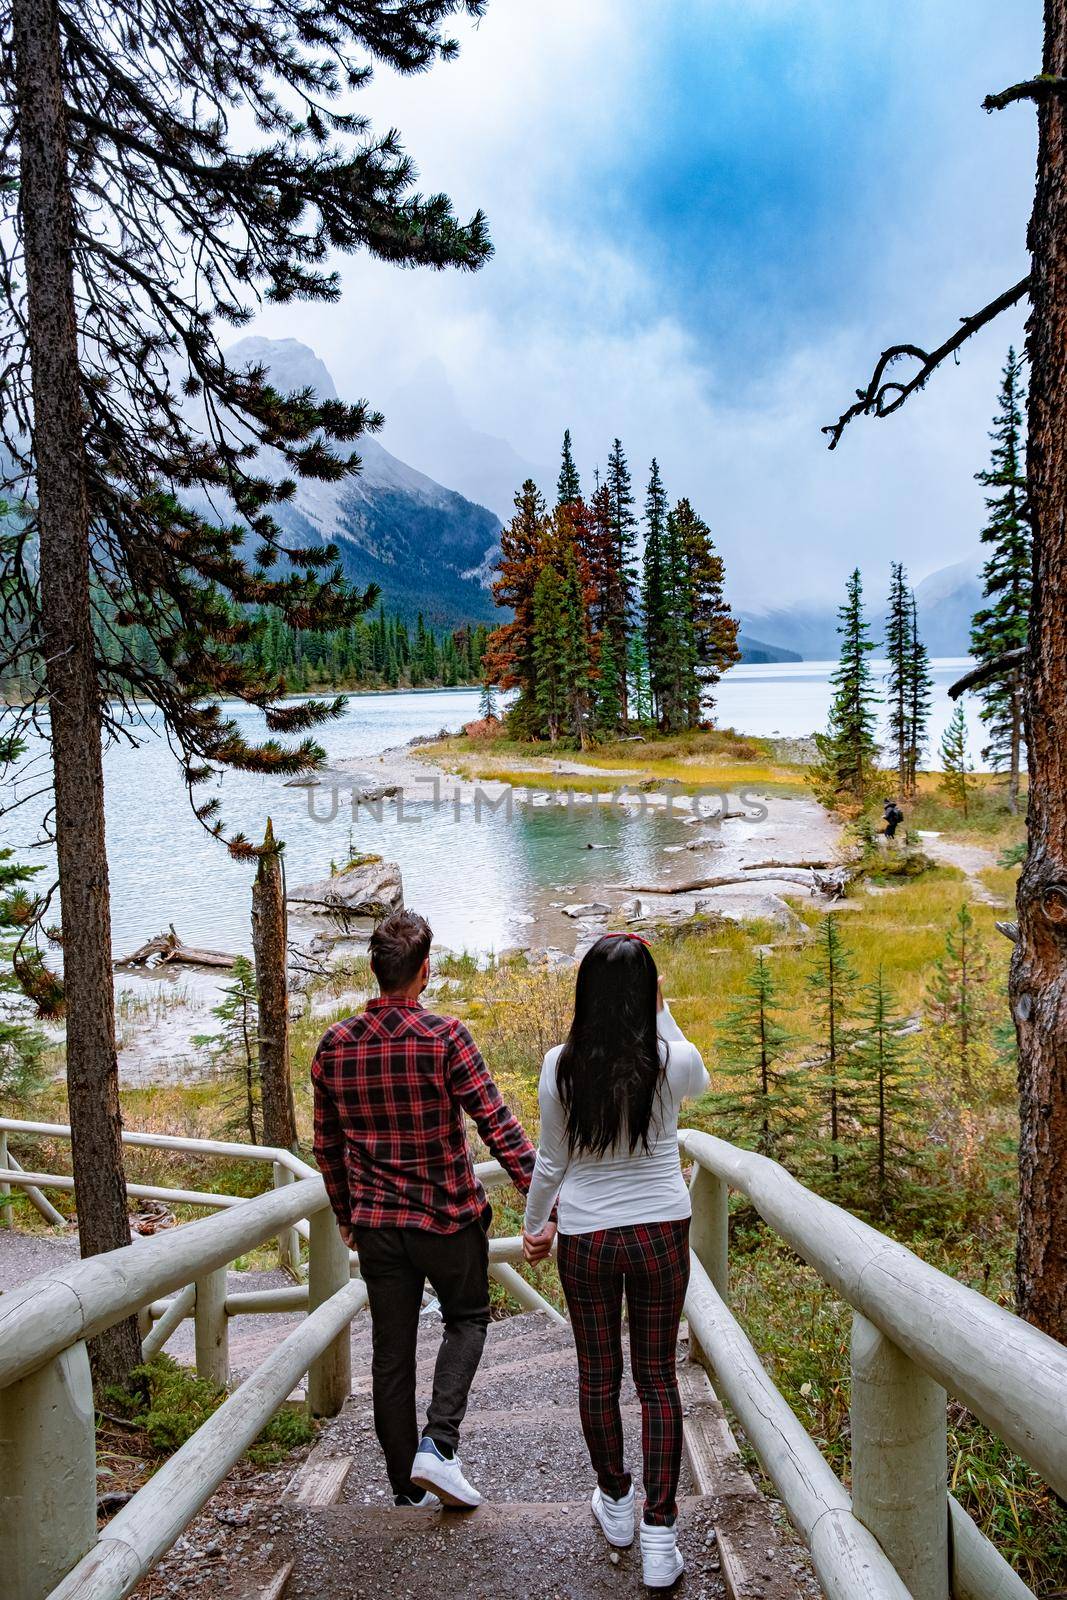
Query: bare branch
<point x="883" y="396"/>
<point x="986" y="670"/>
<point x="1040" y="88"/>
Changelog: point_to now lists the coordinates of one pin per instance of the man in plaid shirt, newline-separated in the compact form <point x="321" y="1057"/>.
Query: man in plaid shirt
<point x="391" y="1089"/>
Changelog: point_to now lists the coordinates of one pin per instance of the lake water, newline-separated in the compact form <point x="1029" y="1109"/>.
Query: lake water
<point x="479" y="883"/>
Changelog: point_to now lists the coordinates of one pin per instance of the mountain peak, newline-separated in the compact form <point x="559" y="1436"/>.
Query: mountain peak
<point x="291" y="365"/>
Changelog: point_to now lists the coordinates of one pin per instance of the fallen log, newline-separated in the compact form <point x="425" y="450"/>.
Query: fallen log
<point x="166" y="949"/>
<point x="725" y="880"/>
<point x="759" y="866"/>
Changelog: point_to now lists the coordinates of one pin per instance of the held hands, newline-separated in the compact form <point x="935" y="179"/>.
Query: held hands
<point x="535" y="1247"/>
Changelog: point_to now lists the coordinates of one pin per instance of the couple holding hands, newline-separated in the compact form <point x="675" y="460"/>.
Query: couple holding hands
<point x="391" y="1088"/>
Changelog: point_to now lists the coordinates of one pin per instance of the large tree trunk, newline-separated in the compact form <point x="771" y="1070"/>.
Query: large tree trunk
<point x="1039" y="964"/>
<point x="73" y="696"/>
<point x="269" y="947"/>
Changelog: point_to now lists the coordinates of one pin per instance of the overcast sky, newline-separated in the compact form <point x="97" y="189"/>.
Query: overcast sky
<point x="709" y="217"/>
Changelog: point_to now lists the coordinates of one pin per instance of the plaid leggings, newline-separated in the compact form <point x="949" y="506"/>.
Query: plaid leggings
<point x="651" y="1262"/>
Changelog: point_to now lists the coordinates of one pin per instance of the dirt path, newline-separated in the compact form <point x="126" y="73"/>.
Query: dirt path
<point x="971" y="859"/>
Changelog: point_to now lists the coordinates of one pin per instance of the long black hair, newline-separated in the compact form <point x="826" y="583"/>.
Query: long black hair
<point x="609" y="1070"/>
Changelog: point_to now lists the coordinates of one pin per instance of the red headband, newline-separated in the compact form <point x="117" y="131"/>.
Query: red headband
<point x="625" y="935"/>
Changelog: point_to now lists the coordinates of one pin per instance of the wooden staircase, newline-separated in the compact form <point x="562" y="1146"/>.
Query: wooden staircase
<point x="333" y="1534"/>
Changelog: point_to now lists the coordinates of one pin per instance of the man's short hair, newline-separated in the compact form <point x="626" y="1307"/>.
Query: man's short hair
<point x="398" y="947"/>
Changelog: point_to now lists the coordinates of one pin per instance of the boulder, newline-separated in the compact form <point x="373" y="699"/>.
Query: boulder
<point x="367" y="887"/>
<point x="587" y="908"/>
<point x="752" y="908"/>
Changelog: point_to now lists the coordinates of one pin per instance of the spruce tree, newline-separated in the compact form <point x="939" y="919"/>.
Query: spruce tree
<point x="848" y="750"/>
<point x="654" y="596"/>
<point x="1002" y="623"/>
<point x="639" y="689"/>
<point x="163" y="171"/>
<point x="622" y="532"/>
<point x="956" y="768"/>
<point x="487" y="701"/>
<point x="887" y="1154"/>
<point x="898" y="649"/>
<point x="920" y="686"/>
<point x="510" y="650"/>
<point x="608" y="680"/>
<point x="712" y="625"/>
<point x="760" y="1106"/>
<point x="550" y="652"/>
<point x="962" y="1008"/>
<point x="569" y="486"/>
<point x="577" y="671"/>
<point x="832" y="982"/>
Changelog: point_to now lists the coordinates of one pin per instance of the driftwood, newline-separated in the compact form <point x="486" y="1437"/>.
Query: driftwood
<point x="833" y="884"/>
<point x="760" y="866"/>
<point x="166" y="949"/>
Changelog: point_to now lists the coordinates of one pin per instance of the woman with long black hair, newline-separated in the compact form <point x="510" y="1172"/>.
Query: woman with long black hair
<point x="608" y="1153"/>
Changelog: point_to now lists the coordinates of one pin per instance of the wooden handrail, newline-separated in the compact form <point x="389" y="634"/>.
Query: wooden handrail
<point x="1011" y="1375"/>
<point x="53" y="1312"/>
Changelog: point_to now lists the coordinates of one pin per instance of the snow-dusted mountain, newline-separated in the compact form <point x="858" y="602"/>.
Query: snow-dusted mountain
<point x="428" y="548"/>
<point x="946" y="602"/>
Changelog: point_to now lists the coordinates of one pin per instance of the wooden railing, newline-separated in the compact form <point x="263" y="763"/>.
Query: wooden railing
<point x="917" y="1337"/>
<point x="49" y="1548"/>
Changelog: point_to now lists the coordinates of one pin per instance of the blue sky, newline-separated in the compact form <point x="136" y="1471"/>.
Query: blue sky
<point x="709" y="217"/>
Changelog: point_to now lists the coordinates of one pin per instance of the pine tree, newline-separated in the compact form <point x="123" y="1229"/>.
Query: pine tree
<point x="569" y="486"/>
<point x="848" y="750"/>
<point x="639" y="690"/>
<point x="678" y="660"/>
<point x="713" y="627"/>
<point x="577" y="673"/>
<point x="886" y="1154"/>
<point x="487" y="702"/>
<point x="622" y="533"/>
<point x="833" y="982"/>
<point x="608" y="685"/>
<point x="161" y="175"/>
<point x="1001" y="624"/>
<point x="550" y="651"/>
<point x="956" y="768"/>
<point x="898" y="649"/>
<point x="23" y="976"/>
<point x="654" y="597"/>
<point x="920" y="685"/>
<point x="510" y="649"/>
<point x="962" y="1008"/>
<point x="234" y="1051"/>
<point x="761" y="1106"/>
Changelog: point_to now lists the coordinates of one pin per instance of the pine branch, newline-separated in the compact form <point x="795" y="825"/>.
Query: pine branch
<point x="987" y="670"/>
<point x="1044" y="87"/>
<point x="883" y="396"/>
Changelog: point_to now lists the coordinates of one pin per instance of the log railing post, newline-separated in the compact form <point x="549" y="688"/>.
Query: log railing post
<point x="330" y="1376"/>
<point x="48" y="1470"/>
<point x="211" y="1329"/>
<point x="899" y="1460"/>
<point x="709" y="1237"/>
<point x="288" y="1239"/>
<point x="6" y="1213"/>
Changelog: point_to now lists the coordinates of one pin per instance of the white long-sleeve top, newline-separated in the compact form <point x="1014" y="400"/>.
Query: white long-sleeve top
<point x="618" y="1189"/>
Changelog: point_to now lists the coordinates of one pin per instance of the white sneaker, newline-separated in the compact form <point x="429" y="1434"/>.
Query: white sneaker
<point x="424" y="1502"/>
<point x="661" y="1559"/>
<point x="432" y="1470"/>
<point x="616" y="1517"/>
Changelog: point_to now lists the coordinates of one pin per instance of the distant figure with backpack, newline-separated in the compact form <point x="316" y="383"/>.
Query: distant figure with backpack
<point x="893" y="818"/>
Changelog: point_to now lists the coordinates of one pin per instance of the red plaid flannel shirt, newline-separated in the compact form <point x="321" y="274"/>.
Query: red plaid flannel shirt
<point x="391" y="1086"/>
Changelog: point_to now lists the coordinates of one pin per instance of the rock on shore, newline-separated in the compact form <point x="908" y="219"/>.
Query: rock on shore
<point x="367" y="887"/>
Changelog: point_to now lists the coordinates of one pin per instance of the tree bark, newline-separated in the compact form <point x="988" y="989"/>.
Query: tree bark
<point x="269" y="945"/>
<point x="1039" y="963"/>
<point x="73" y="694"/>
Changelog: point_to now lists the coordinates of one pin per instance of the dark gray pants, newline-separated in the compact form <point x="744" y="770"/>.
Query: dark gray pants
<point x="395" y="1264"/>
